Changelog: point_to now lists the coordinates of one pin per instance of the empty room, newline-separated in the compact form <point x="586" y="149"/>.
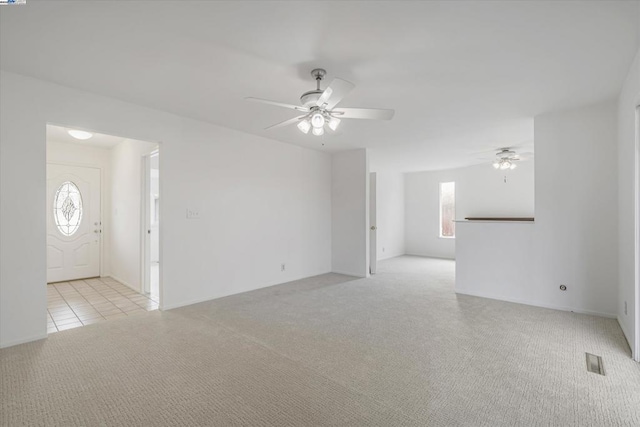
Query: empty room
<point x="319" y="213"/>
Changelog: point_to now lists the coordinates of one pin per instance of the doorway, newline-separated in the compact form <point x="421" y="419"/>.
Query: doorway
<point x="151" y="225"/>
<point x="94" y="205"/>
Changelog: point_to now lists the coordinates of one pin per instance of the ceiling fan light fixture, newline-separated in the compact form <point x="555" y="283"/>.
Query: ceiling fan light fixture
<point x="333" y="123"/>
<point x="513" y="166"/>
<point x="79" y="134"/>
<point x="317" y="120"/>
<point x="505" y="165"/>
<point x="318" y="107"/>
<point x="496" y="165"/>
<point x="304" y="126"/>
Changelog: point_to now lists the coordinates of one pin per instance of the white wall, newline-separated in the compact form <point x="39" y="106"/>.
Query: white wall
<point x="126" y="204"/>
<point x="627" y="193"/>
<point x="262" y="202"/>
<point x="574" y="240"/>
<point x="87" y="155"/>
<point x="350" y="213"/>
<point x="496" y="260"/>
<point x="480" y="191"/>
<point x="576" y="229"/>
<point x="390" y="214"/>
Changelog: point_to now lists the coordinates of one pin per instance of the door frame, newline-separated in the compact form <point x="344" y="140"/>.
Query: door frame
<point x="145" y="221"/>
<point x="636" y="350"/>
<point x="373" y="223"/>
<point x="102" y="191"/>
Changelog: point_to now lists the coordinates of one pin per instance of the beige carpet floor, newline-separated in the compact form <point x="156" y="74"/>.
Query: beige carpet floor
<point x="399" y="349"/>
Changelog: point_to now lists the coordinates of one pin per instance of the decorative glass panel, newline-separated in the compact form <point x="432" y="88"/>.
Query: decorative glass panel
<point x="67" y="208"/>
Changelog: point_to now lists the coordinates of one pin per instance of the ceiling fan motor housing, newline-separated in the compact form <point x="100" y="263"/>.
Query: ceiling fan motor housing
<point x="505" y="154"/>
<point x="309" y="99"/>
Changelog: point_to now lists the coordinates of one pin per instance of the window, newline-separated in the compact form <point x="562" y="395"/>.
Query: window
<point x="67" y="208"/>
<point x="447" y="209"/>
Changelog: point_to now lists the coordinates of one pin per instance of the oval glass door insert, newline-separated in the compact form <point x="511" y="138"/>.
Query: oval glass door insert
<point x="67" y="208"/>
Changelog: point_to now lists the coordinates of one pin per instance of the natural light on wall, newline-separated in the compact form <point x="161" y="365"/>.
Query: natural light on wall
<point x="447" y="209"/>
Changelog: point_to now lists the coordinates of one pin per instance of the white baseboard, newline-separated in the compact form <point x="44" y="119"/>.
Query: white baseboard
<point x="24" y="340"/>
<point x="537" y="304"/>
<point x="432" y="256"/>
<point x="344" y="273"/>
<point x="125" y="283"/>
<point x="214" y="297"/>
<point x="389" y="256"/>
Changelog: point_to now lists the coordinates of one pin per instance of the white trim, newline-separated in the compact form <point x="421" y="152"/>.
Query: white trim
<point x="145" y="225"/>
<point x="211" y="298"/>
<point x="430" y="256"/>
<point x="344" y="273"/>
<point x="123" y="282"/>
<point x="24" y="340"/>
<point x="636" y="185"/>
<point x="538" y="304"/>
<point x="145" y="241"/>
<point x="389" y="256"/>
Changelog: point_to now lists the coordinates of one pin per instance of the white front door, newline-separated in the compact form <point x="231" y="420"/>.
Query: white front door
<point x="73" y="222"/>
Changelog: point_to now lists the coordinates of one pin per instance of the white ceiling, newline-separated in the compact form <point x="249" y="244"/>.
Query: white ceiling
<point x="463" y="77"/>
<point x="61" y="134"/>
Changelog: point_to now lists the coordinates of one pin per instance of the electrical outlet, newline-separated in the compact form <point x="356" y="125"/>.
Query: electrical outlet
<point x="193" y="213"/>
<point x="282" y="267"/>
<point x="625" y="307"/>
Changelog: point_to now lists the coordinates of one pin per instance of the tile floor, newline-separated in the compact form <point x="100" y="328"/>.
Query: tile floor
<point x="82" y="302"/>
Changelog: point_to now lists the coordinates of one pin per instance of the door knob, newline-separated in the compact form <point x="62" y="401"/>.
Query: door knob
<point x="373" y="227"/>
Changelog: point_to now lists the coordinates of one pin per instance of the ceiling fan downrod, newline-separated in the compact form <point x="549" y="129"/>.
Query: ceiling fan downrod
<point x="318" y="74"/>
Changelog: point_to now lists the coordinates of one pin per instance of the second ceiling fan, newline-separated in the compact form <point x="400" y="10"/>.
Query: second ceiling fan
<point x="319" y="107"/>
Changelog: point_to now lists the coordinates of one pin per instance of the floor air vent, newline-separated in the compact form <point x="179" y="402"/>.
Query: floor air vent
<point x="594" y="364"/>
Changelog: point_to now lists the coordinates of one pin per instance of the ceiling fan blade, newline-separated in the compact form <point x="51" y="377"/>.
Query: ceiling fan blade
<point x="363" y="113"/>
<point x="285" y="123"/>
<point x="279" y="104"/>
<point x="334" y="93"/>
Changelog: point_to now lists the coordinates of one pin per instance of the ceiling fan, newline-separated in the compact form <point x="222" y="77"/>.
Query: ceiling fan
<point x="506" y="158"/>
<point x="319" y="107"/>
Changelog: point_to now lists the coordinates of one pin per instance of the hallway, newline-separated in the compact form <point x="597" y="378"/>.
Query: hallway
<point x="83" y="302"/>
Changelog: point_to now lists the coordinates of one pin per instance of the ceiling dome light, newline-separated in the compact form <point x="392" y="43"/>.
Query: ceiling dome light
<point x="333" y="123"/>
<point x="304" y="126"/>
<point x="317" y="120"/>
<point x="80" y="134"/>
<point x="318" y="131"/>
